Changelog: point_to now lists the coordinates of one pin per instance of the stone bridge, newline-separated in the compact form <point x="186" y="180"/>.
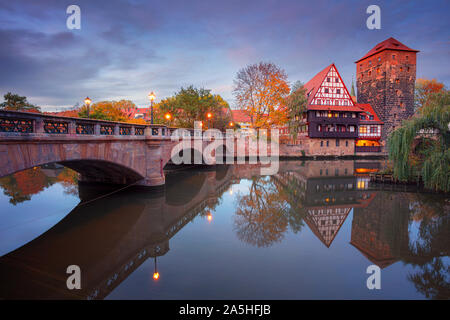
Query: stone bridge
<point x="101" y="151"/>
<point x="109" y="238"/>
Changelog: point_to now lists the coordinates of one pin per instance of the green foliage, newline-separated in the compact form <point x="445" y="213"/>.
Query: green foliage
<point x="14" y="102"/>
<point x="191" y="104"/>
<point x="424" y="153"/>
<point x="296" y="106"/>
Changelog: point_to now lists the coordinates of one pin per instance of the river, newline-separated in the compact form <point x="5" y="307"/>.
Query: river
<point x="311" y="231"/>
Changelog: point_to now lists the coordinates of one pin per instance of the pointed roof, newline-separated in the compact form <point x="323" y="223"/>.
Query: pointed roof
<point x="367" y="108"/>
<point x="314" y="84"/>
<point x="314" y="92"/>
<point x="388" y="44"/>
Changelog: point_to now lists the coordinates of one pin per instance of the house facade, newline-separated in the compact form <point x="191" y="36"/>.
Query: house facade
<point x="333" y="124"/>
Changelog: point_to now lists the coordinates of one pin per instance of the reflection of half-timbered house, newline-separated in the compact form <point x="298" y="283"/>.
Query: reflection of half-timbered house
<point x="326" y="192"/>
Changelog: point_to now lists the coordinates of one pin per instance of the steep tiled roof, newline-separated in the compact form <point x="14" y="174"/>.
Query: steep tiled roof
<point x="314" y="84"/>
<point x="240" y="116"/>
<point x="388" y="44"/>
<point x="367" y="108"/>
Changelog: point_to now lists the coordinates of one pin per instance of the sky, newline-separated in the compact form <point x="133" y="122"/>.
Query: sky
<point x="127" y="48"/>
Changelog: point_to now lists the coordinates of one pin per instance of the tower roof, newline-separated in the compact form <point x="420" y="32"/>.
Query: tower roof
<point x="388" y="44"/>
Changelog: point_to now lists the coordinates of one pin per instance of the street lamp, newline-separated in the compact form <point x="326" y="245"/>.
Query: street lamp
<point x="87" y="101"/>
<point x="151" y="97"/>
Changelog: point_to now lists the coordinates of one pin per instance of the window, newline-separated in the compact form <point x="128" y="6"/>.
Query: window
<point x="407" y="69"/>
<point x="393" y="56"/>
<point x="321" y="143"/>
<point x="319" y="128"/>
<point x="328" y="79"/>
<point x="317" y="114"/>
<point x="370" y="62"/>
<point x="337" y="142"/>
<point x="336" y="102"/>
<point x="379" y="59"/>
<point x="373" y="129"/>
<point x="319" y="101"/>
<point x="371" y="117"/>
<point x="328" y="143"/>
<point x="397" y="80"/>
<point x="401" y="69"/>
<point x="378" y="70"/>
<point x="352" y="128"/>
<point x="370" y="73"/>
<point x="362" y="117"/>
<point x="360" y="66"/>
<point x="336" y="80"/>
<point x="346" y="144"/>
<point x="338" y="91"/>
<point x="326" y="90"/>
<point x="407" y="57"/>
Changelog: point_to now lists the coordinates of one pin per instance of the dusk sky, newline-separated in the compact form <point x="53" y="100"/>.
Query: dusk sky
<point x="127" y="48"/>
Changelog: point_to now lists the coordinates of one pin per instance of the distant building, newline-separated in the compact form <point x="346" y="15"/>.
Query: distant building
<point x="386" y="77"/>
<point x="242" y="119"/>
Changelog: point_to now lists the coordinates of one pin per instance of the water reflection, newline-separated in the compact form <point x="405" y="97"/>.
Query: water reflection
<point x="110" y="237"/>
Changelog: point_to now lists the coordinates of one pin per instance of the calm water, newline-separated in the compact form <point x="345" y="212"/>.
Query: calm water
<point x="309" y="232"/>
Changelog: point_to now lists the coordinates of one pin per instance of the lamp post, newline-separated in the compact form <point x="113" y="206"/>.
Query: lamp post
<point x="151" y="97"/>
<point x="87" y="101"/>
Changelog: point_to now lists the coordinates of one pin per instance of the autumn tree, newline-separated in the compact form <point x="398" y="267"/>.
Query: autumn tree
<point x="191" y="104"/>
<point x="106" y="110"/>
<point x="424" y="88"/>
<point x="296" y="104"/>
<point x="14" y="102"/>
<point x="260" y="90"/>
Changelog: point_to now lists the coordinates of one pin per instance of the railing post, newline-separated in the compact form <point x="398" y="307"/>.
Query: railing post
<point x="116" y="130"/>
<point x="97" y="129"/>
<point x="148" y="131"/>
<point x="72" y="127"/>
<point x="132" y="131"/>
<point x="39" y="125"/>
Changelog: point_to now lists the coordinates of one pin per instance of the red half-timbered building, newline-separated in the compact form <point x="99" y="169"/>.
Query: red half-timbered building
<point x="331" y="123"/>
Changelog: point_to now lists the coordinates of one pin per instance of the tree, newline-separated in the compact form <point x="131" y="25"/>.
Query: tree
<point x="296" y="104"/>
<point x="14" y="102"/>
<point x="106" y="110"/>
<point x="424" y="88"/>
<point x="421" y="147"/>
<point x="260" y="90"/>
<point x="191" y="104"/>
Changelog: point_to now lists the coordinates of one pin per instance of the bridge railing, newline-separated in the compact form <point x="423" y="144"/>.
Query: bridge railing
<point x="25" y="123"/>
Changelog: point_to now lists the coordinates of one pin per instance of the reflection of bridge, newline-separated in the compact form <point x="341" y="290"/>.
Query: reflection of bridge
<point x="108" y="238"/>
<point x="101" y="151"/>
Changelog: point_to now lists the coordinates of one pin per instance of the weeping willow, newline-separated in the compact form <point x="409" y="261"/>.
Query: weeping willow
<point x="420" y="148"/>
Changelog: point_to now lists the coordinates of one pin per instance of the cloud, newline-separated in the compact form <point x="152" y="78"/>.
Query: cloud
<point x="129" y="47"/>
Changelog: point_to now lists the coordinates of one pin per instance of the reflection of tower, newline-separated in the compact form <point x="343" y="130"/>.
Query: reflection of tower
<point x="380" y="231"/>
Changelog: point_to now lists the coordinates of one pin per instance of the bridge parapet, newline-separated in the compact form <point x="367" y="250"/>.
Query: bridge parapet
<point x="14" y="123"/>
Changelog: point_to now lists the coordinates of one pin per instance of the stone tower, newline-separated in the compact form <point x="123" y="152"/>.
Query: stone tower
<point x="386" y="77"/>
